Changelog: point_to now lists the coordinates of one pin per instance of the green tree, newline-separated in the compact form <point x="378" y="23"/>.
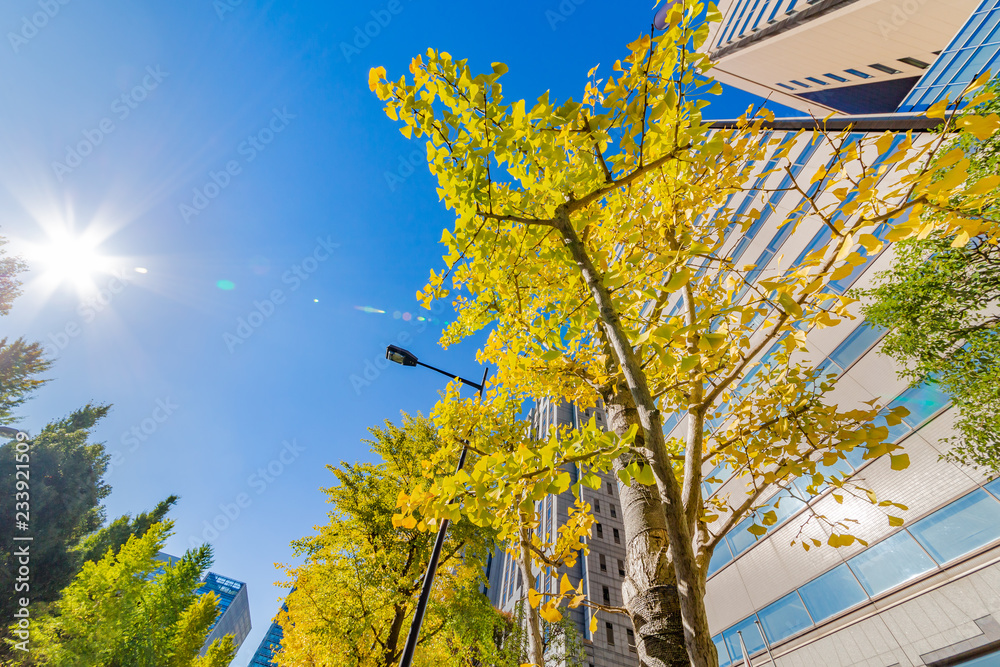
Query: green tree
<point x="118" y="532"/>
<point x="938" y="304"/>
<point x="66" y="490"/>
<point x="21" y="363"/>
<point x="132" y="610"/>
<point x="354" y="595"/>
<point x="10" y="286"/>
<point x="591" y="240"/>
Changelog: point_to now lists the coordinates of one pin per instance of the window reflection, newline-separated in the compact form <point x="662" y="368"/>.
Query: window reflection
<point x="832" y="593"/>
<point x="961" y="527"/>
<point x="890" y="563"/>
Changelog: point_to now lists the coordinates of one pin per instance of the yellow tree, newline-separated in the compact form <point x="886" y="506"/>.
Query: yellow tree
<point x="593" y="239"/>
<point x="355" y="593"/>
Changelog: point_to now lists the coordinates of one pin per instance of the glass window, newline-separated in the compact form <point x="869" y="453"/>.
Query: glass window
<point x="988" y="660"/>
<point x="671" y="423"/>
<point x="890" y="563"/>
<point x="751" y="637"/>
<point x="722" y="556"/>
<point x="817" y="81"/>
<point x="618" y="539"/>
<point x="922" y="401"/>
<point x="884" y="68"/>
<point x="614" y="512"/>
<point x="621" y="567"/>
<point x="741" y="539"/>
<point x="914" y="62"/>
<point x="720" y="647"/>
<point x="858" y="73"/>
<point x="836" y="78"/>
<point x="603" y="562"/>
<point x="832" y="593"/>
<point x="961" y="527"/>
<point x="610" y="630"/>
<point x="784" y="505"/>
<point x="784" y="618"/>
<point x="994" y="487"/>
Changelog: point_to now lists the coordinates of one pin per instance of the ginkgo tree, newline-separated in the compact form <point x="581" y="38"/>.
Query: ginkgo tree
<point x="593" y="241"/>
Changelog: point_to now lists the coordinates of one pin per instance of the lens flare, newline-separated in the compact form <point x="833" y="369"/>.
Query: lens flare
<point x="369" y="309"/>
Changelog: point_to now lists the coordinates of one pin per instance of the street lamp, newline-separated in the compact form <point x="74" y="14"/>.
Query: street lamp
<point x="407" y="358"/>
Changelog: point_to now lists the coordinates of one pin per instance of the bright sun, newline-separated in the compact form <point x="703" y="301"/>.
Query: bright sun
<point x="69" y="260"/>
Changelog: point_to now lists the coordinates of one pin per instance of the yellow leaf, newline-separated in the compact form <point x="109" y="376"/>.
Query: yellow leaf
<point x="593" y="623"/>
<point x="899" y="461"/>
<point x="983" y="185"/>
<point x="789" y="305"/>
<point x="938" y="109"/>
<point x="895" y="521"/>
<point x="375" y="74"/>
<point x="550" y="613"/>
<point x="981" y="127"/>
<point x="689" y="362"/>
<point x="564" y="586"/>
<point x="534" y="597"/>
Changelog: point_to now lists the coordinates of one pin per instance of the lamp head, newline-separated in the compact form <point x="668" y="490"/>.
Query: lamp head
<point x="400" y="356"/>
<point x="660" y="19"/>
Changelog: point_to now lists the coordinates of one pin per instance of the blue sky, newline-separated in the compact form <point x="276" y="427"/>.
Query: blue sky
<point x="233" y="151"/>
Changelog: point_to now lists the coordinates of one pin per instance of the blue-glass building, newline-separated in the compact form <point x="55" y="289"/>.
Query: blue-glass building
<point x="269" y="645"/>
<point x="234" y="609"/>
<point x="233" y="605"/>
<point x="975" y="49"/>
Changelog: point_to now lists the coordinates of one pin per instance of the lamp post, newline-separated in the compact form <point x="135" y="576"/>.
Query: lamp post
<point x="407" y="358"/>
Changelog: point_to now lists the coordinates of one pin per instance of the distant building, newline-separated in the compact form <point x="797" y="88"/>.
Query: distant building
<point x="233" y="606"/>
<point x="269" y="645"/>
<point x="234" y="609"/>
<point x="601" y="571"/>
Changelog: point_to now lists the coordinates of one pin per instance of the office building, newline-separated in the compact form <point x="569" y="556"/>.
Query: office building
<point x="234" y="609"/>
<point x="602" y="571"/>
<point x="233" y="605"/>
<point x="269" y="645"/>
<point x="927" y="592"/>
<point x="852" y="56"/>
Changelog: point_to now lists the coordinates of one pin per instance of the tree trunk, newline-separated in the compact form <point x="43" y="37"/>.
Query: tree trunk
<point x="649" y="591"/>
<point x="536" y="649"/>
